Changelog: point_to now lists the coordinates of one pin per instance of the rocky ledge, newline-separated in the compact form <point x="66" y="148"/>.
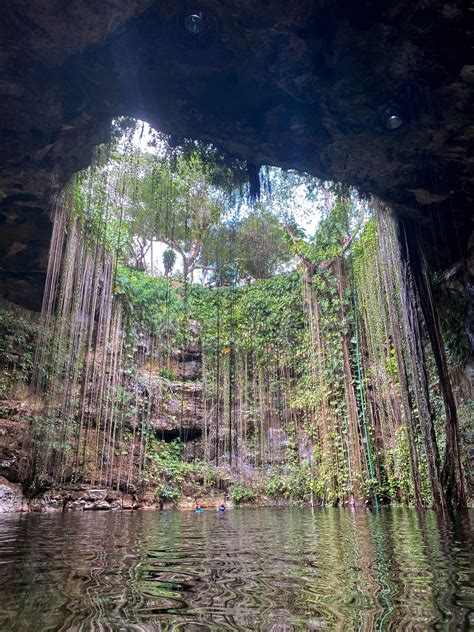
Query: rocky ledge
<point x="73" y="498"/>
<point x="88" y="498"/>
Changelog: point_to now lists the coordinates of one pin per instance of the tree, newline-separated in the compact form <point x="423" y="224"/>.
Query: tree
<point x="252" y="247"/>
<point x="168" y="199"/>
<point x="169" y="259"/>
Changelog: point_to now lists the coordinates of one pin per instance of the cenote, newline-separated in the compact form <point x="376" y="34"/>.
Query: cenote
<point x="236" y="315"/>
<point x="255" y="569"/>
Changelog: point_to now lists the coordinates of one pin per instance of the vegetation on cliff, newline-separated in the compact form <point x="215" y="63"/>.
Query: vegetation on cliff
<point x="190" y="340"/>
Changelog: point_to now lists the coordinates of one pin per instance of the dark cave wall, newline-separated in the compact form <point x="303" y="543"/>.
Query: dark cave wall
<point x="305" y="84"/>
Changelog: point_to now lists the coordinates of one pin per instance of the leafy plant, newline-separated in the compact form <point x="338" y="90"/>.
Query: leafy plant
<point x="240" y="493"/>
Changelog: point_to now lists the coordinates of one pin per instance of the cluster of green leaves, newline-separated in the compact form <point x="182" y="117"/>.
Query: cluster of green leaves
<point x="164" y="468"/>
<point x="167" y="472"/>
<point x="295" y="485"/>
<point x="150" y="304"/>
<point x="241" y="493"/>
<point x="258" y="317"/>
<point x="379" y="295"/>
<point x="292" y="483"/>
<point x="17" y="345"/>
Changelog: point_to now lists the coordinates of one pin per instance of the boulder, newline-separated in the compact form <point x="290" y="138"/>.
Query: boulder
<point x="12" y="499"/>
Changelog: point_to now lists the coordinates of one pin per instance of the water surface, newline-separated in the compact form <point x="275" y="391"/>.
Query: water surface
<point x="254" y="569"/>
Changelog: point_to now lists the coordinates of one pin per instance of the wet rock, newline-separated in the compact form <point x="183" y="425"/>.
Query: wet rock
<point x="98" y="505"/>
<point x="95" y="495"/>
<point x="81" y="498"/>
<point x="147" y="500"/>
<point x="428" y="197"/>
<point x="75" y="505"/>
<point x="48" y="502"/>
<point x="12" y="499"/>
<point x="128" y="502"/>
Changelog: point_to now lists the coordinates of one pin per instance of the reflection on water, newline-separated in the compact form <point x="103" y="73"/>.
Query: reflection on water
<point x="254" y="569"/>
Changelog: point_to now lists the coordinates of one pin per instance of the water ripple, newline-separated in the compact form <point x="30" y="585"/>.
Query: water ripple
<point x="276" y="570"/>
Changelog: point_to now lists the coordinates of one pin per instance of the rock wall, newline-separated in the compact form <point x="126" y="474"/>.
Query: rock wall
<point x="71" y="498"/>
<point x="177" y="413"/>
<point x="179" y="409"/>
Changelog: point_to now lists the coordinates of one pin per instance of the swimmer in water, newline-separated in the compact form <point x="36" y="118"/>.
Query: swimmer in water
<point x="198" y="508"/>
<point x="221" y="509"/>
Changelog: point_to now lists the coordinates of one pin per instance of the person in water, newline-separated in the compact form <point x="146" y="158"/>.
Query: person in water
<point x="221" y="509"/>
<point x="198" y="508"/>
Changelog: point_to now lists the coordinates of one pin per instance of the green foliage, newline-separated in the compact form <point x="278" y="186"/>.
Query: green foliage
<point x="165" y="469"/>
<point x="167" y="374"/>
<point x="400" y="483"/>
<point x="295" y="485"/>
<point x="167" y="472"/>
<point x="240" y="493"/>
<point x="17" y="344"/>
<point x="263" y="315"/>
<point x="150" y="304"/>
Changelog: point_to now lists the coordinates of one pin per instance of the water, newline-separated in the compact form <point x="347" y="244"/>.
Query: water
<point x="255" y="569"/>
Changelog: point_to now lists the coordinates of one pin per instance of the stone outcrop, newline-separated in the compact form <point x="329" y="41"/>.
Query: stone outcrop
<point x="12" y="499"/>
<point x="81" y="498"/>
<point x="88" y="498"/>
<point x="306" y="84"/>
<point x="180" y="409"/>
<point x="71" y="498"/>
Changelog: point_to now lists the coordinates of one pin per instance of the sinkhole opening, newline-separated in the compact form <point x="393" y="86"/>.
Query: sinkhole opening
<point x="210" y="324"/>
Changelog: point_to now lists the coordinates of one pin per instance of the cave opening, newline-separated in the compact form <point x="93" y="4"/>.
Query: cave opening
<point x="282" y="330"/>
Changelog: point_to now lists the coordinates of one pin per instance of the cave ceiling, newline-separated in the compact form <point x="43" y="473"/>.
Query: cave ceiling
<point x="306" y="84"/>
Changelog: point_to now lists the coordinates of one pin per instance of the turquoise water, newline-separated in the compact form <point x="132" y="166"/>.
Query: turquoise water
<point x="254" y="569"/>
